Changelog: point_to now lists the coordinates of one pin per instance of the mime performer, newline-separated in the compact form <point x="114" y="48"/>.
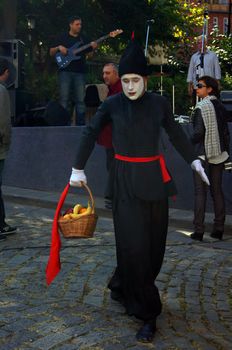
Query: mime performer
<point x="140" y="185"/>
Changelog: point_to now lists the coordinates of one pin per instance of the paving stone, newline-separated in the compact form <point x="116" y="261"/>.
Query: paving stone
<point x="3" y="333"/>
<point x="76" y="312"/>
<point x="65" y="347"/>
<point x="50" y="341"/>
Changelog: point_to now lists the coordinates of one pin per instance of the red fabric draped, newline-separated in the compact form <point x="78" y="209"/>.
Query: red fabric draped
<point x="54" y="265"/>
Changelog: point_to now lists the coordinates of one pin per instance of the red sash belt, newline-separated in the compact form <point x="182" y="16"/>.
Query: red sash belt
<point x="165" y="175"/>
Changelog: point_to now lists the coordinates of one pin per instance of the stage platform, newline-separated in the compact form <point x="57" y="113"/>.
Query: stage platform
<point x="41" y="158"/>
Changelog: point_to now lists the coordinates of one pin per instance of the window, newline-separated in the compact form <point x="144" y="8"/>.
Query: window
<point x="223" y="2"/>
<point x="225" y="25"/>
<point x="215" y="21"/>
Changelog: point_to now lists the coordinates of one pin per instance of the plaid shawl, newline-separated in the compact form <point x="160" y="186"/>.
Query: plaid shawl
<point x="212" y="140"/>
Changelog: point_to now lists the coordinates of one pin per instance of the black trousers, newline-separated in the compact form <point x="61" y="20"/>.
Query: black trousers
<point x="214" y="173"/>
<point x="109" y="164"/>
<point x="140" y="232"/>
<point x="2" y="208"/>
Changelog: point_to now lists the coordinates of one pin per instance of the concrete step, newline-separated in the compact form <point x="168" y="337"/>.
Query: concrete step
<point x="177" y="217"/>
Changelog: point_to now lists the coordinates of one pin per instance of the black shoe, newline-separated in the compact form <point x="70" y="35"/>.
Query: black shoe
<point x="2" y="237"/>
<point x="217" y="234"/>
<point x="108" y="204"/>
<point x="197" y="236"/>
<point x="8" y="230"/>
<point x="146" y="333"/>
<point x="117" y="296"/>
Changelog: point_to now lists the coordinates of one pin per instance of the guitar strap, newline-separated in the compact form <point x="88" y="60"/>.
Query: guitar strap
<point x="81" y="40"/>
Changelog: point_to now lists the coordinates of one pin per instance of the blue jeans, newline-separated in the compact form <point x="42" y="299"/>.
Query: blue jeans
<point x="2" y="209"/>
<point x="72" y="89"/>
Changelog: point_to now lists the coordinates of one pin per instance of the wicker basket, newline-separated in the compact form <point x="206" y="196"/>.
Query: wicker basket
<point x="82" y="227"/>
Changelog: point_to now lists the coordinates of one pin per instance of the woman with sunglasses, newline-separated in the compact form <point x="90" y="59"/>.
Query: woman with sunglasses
<point x="211" y="139"/>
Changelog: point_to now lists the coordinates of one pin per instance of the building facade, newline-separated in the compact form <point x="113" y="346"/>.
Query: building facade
<point x="219" y="15"/>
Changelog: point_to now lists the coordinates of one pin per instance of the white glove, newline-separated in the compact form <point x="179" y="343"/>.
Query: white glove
<point x="77" y="177"/>
<point x="196" y="165"/>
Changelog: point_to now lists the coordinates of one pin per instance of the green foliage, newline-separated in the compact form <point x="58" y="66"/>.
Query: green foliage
<point x="176" y="23"/>
<point x="176" y="84"/>
<point x="222" y="45"/>
<point x="42" y="83"/>
<point x="100" y="17"/>
<point x="190" y="25"/>
<point x="227" y="82"/>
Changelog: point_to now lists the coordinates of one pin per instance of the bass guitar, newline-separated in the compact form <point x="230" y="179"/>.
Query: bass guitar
<point x="72" y="53"/>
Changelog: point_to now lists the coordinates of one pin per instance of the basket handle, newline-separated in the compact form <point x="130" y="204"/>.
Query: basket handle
<point x="90" y="195"/>
<point x="64" y="194"/>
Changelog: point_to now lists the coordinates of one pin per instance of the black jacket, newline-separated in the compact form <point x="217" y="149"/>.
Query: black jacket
<point x="136" y="128"/>
<point x="199" y="128"/>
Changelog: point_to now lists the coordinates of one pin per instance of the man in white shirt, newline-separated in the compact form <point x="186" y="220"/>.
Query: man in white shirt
<point x="203" y="62"/>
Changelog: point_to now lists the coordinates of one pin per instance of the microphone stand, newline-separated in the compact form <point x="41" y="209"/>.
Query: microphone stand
<point x="150" y="21"/>
<point x="200" y="66"/>
<point x="147" y="36"/>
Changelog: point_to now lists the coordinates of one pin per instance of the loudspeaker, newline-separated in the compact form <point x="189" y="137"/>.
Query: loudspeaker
<point x="13" y="51"/>
<point x="33" y="117"/>
<point x="56" y="115"/>
<point x="53" y="114"/>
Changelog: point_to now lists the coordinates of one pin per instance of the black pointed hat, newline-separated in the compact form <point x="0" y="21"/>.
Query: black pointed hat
<point x="133" y="61"/>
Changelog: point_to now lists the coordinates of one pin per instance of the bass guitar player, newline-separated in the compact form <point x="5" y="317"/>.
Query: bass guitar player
<point x="70" y="50"/>
<point x="71" y="79"/>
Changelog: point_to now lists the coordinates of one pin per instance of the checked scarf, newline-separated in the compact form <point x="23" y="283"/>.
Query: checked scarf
<point x="212" y="140"/>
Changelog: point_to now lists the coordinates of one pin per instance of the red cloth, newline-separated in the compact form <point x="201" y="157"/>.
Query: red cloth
<point x="54" y="265"/>
<point x="115" y="89"/>
<point x="165" y="175"/>
<point x="105" y="137"/>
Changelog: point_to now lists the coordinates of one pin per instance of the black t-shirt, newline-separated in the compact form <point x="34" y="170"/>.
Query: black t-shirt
<point x="68" y="41"/>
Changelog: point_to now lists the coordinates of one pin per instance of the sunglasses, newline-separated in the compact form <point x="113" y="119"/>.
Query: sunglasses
<point x="200" y="86"/>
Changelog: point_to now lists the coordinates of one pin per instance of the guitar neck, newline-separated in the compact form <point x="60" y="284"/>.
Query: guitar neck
<point x="84" y="47"/>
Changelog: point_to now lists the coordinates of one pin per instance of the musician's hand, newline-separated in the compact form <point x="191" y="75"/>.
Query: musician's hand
<point x="94" y="45"/>
<point x="63" y="50"/>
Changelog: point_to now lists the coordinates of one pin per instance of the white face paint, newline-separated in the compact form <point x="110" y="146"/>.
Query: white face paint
<point x="133" y="86"/>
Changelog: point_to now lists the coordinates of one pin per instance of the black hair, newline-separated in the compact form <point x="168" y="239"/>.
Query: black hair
<point x="213" y="83"/>
<point x="74" y="18"/>
<point x="4" y="65"/>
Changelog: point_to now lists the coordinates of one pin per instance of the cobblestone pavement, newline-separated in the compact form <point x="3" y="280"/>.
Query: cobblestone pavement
<point x="76" y="312"/>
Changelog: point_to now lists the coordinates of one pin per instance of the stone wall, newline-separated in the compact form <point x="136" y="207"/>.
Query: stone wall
<point x="41" y="158"/>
